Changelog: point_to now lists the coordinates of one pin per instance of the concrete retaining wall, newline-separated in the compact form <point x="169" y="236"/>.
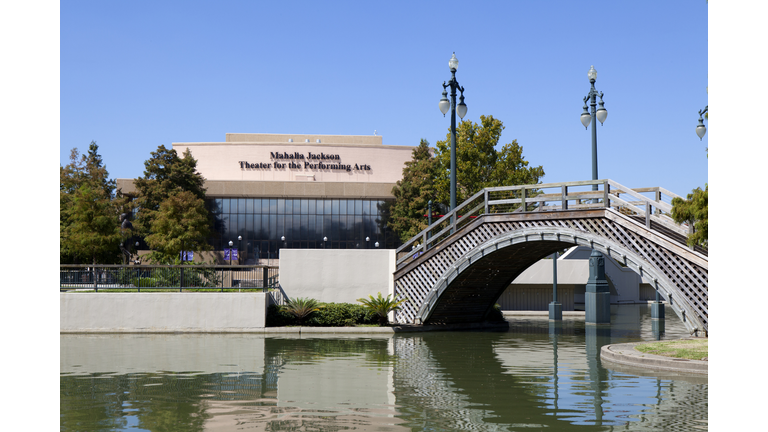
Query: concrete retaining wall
<point x="162" y="312"/>
<point x="337" y="275"/>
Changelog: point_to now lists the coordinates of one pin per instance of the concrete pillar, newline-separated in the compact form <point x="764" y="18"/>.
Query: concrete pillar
<point x="597" y="298"/>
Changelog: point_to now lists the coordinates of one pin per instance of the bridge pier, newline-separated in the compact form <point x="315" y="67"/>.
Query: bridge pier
<point x="597" y="298"/>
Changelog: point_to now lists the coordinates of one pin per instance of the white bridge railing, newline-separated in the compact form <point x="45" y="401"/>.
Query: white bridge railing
<point x="548" y="197"/>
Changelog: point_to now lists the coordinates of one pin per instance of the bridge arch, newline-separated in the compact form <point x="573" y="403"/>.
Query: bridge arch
<point x="537" y="243"/>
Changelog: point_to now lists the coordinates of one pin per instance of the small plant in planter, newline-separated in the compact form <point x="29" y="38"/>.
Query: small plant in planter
<point x="382" y="306"/>
<point x="301" y="308"/>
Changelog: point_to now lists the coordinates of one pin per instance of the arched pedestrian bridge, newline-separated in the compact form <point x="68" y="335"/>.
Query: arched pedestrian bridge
<point x="456" y="269"/>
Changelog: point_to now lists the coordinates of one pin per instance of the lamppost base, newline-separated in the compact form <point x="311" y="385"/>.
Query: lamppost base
<point x="555" y="311"/>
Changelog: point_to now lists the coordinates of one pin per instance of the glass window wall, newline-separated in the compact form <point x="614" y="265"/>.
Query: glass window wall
<point x="305" y="224"/>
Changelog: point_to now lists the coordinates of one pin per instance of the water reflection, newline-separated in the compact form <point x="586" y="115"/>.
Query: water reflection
<point x="535" y="375"/>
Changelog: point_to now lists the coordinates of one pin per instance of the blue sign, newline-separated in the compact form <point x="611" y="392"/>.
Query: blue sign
<point x="228" y="252"/>
<point x="187" y="256"/>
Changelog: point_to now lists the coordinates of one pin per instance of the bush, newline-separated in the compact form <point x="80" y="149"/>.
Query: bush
<point x="277" y="317"/>
<point x="340" y="315"/>
<point x="329" y="315"/>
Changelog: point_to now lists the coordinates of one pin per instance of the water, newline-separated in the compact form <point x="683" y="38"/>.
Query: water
<point x="528" y="378"/>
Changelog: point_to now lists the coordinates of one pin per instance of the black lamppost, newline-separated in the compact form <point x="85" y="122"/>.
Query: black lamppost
<point x="239" y="238"/>
<point x="597" y="299"/>
<point x="701" y="129"/>
<point x="445" y="104"/>
<point x="230" y="252"/>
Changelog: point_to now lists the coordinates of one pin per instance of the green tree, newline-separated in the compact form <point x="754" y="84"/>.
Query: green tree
<point x="181" y="223"/>
<point x="165" y="174"/>
<point x="412" y="193"/>
<point x="694" y="210"/>
<point x="478" y="163"/>
<point x="88" y="210"/>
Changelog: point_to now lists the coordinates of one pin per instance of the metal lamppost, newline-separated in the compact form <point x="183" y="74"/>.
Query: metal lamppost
<point x="230" y="252"/>
<point x="597" y="298"/>
<point x="701" y="129"/>
<point x="239" y="238"/>
<point x="445" y="104"/>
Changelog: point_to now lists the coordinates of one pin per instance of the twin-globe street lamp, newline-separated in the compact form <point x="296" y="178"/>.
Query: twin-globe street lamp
<point x="445" y="104"/>
<point x="597" y="296"/>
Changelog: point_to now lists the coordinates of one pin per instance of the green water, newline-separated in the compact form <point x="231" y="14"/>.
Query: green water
<point x="531" y="377"/>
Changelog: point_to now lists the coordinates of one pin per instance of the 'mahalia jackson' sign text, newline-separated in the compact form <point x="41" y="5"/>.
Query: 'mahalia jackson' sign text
<point x="296" y="160"/>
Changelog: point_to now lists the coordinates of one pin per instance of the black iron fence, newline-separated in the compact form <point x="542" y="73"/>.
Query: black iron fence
<point x="196" y="278"/>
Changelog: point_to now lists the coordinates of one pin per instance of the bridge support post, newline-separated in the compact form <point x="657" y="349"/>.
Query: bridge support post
<point x="555" y="308"/>
<point x="597" y="298"/>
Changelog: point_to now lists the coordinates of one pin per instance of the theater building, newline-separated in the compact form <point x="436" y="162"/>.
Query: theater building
<point x="278" y="191"/>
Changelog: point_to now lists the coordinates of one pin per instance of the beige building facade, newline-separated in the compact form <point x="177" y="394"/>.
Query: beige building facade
<point x="274" y="191"/>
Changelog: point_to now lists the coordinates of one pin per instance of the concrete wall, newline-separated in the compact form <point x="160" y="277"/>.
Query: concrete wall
<point x="338" y="275"/>
<point x="534" y="285"/>
<point x="162" y="312"/>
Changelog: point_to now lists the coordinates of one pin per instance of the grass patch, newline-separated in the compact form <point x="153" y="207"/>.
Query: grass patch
<point x="691" y="349"/>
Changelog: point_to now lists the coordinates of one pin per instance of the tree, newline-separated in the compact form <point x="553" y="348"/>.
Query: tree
<point x="478" y="163"/>
<point x="93" y="231"/>
<point x="88" y="212"/>
<point x="181" y="223"/>
<point x="694" y="210"/>
<point x="165" y="174"/>
<point x="413" y="193"/>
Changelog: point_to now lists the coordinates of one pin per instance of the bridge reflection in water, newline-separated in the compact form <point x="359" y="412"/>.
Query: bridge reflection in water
<point x="532" y="376"/>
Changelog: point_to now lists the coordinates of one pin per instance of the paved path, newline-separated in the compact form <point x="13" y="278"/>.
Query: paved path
<point x="626" y="354"/>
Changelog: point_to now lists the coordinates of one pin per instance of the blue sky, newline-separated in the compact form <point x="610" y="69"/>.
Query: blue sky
<point x="135" y="75"/>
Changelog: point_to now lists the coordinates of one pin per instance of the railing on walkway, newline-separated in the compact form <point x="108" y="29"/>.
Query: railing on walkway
<point x="138" y="278"/>
<point x="548" y="197"/>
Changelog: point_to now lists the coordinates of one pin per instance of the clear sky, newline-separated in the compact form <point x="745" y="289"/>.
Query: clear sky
<point x="135" y="75"/>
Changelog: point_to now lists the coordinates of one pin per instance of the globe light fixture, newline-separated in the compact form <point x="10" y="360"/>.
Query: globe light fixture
<point x="701" y="129"/>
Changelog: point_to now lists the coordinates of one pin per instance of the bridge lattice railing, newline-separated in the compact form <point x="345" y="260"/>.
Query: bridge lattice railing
<point x="545" y="197"/>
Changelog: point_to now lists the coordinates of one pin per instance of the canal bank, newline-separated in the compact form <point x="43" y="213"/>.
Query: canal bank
<point x="626" y="354"/>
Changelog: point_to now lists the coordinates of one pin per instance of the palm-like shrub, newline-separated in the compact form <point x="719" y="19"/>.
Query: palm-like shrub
<point x="301" y="308"/>
<point x="382" y="306"/>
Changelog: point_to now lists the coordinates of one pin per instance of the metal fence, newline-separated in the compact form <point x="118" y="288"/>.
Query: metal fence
<point x="138" y="278"/>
